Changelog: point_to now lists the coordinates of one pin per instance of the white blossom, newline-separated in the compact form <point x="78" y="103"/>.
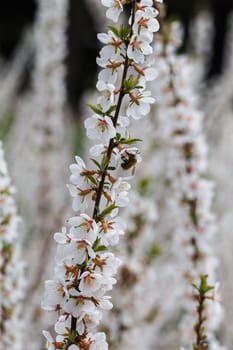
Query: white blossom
<point x="100" y="128"/>
<point x="114" y="10"/>
<point x="85" y="267"/>
<point x="12" y="279"/>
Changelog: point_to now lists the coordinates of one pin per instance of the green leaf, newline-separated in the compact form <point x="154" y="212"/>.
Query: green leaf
<point x="92" y="179"/>
<point x="97" y="109"/>
<point x="6" y="191"/>
<point x="130" y="83"/>
<point x="96" y="243"/>
<point x="124" y="32"/>
<point x="154" y="252"/>
<point x="129" y="141"/>
<point x="111" y="109"/>
<point x="114" y="30"/>
<point x="204" y="287"/>
<point x="107" y="211"/>
<point x="96" y="163"/>
<point x="104" y="163"/>
<point x="73" y="336"/>
<point x="144" y="185"/>
<point x="6" y="219"/>
<point x="97" y="247"/>
<point x="100" y="248"/>
<point x="118" y="136"/>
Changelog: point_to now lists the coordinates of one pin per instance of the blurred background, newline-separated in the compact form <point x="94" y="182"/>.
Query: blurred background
<point x="41" y="114"/>
<point x="82" y="46"/>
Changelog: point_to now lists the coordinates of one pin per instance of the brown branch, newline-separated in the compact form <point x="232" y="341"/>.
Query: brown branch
<point x="111" y="144"/>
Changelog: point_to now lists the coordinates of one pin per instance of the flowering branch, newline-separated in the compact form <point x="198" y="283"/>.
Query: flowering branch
<point x="85" y="267"/>
<point x="201" y="297"/>
<point x="11" y="266"/>
<point x="193" y="194"/>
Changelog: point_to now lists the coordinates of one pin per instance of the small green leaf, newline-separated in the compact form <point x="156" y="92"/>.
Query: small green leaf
<point x="154" y="252"/>
<point x="100" y="248"/>
<point x="107" y="211"/>
<point x="97" y="109"/>
<point x="93" y="180"/>
<point x="124" y="32"/>
<point x="97" y="247"/>
<point x="96" y="243"/>
<point x="73" y="336"/>
<point x="118" y="136"/>
<point x="144" y="185"/>
<point x="5" y="191"/>
<point x="130" y="83"/>
<point x="104" y="163"/>
<point x="6" y="220"/>
<point x="111" y="109"/>
<point x="129" y="141"/>
<point x="96" y="163"/>
<point x="204" y="287"/>
<point x="114" y="30"/>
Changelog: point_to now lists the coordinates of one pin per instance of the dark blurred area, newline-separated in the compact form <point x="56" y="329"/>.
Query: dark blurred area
<point x="83" y="46"/>
<point x="221" y="11"/>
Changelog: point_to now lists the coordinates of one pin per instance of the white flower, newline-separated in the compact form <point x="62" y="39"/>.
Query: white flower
<point x="100" y="128"/>
<point x="97" y="150"/>
<point x="139" y="47"/>
<point x="79" y="196"/>
<point x="106" y="263"/>
<point x="98" y="342"/>
<point x="73" y="347"/>
<point x="83" y="227"/>
<point x="139" y="104"/>
<point x="145" y="23"/>
<point x="111" y="40"/>
<point x="108" y="98"/>
<point x="49" y="341"/>
<point x="53" y="295"/>
<point x="115" y="9"/>
<point x="148" y="74"/>
<point x="110" y="230"/>
<point x="108" y="56"/>
<point x="76" y="170"/>
<point x="122" y="124"/>
<point x="105" y="303"/>
<point x="119" y="192"/>
<point x="145" y="3"/>
<point x="75" y="251"/>
<point x="109" y="74"/>
<point x="62" y="237"/>
<point x="62" y="325"/>
<point x="89" y="283"/>
<point x="79" y="305"/>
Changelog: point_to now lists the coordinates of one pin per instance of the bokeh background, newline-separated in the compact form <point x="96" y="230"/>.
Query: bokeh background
<point x="39" y="150"/>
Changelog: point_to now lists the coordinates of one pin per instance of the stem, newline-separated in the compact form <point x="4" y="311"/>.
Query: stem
<point x="115" y="119"/>
<point x="191" y="203"/>
<point x="200" y="310"/>
<point x="111" y="142"/>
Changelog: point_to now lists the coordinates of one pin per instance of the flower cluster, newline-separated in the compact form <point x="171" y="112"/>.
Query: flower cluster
<point x="49" y="75"/>
<point x="84" y="265"/>
<point x="191" y="203"/>
<point x="49" y="98"/>
<point x="46" y="150"/>
<point x="11" y="267"/>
